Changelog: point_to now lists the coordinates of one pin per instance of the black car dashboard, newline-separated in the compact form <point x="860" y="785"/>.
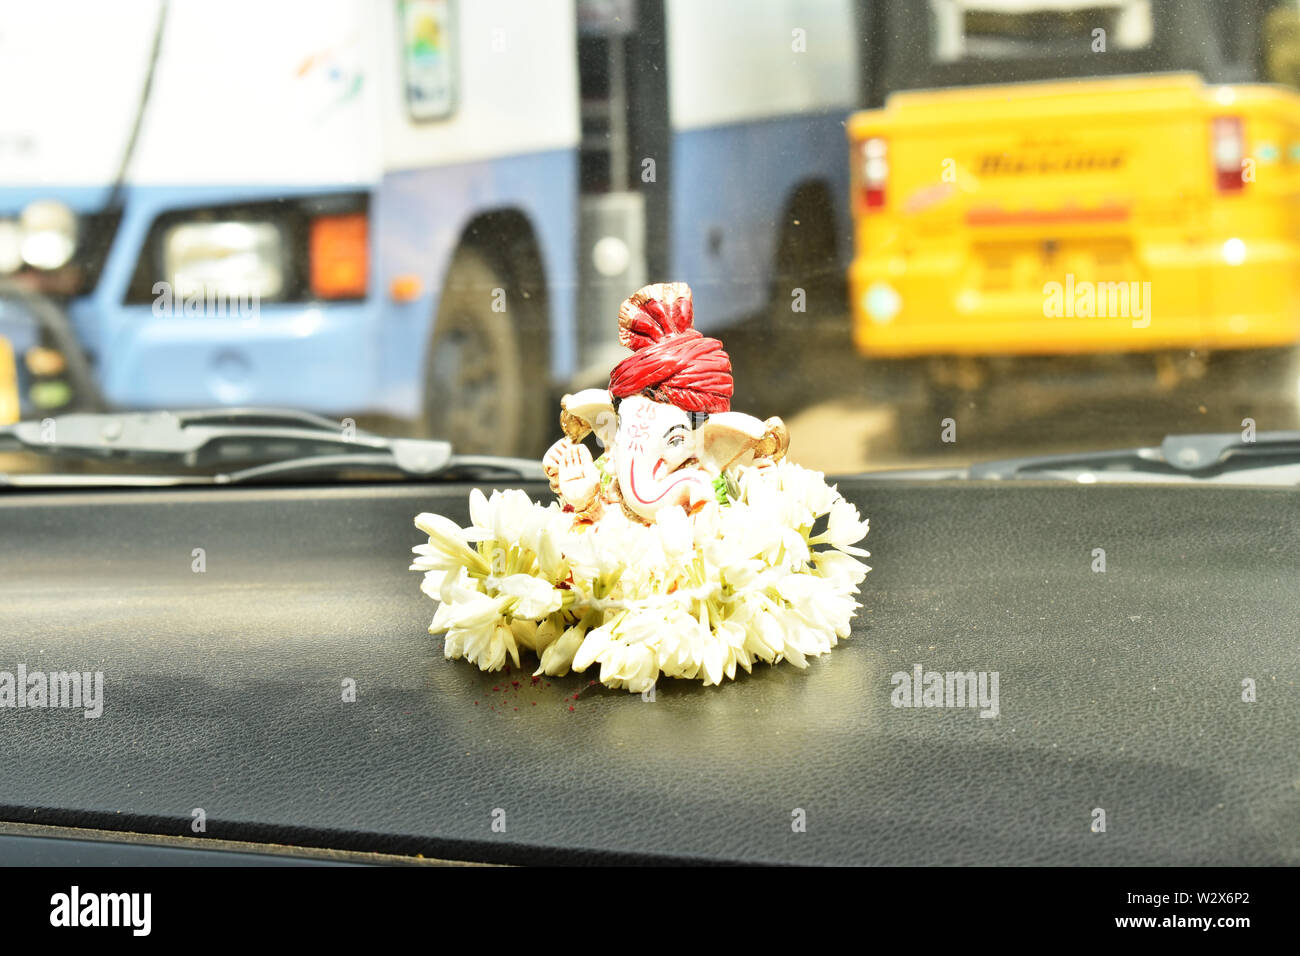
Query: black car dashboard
<point x="1158" y="687"/>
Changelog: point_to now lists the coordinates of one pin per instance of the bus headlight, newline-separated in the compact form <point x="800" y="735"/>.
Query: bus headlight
<point x="49" y="234"/>
<point x="11" y="247"/>
<point x="611" y="256"/>
<point x="229" y="258"/>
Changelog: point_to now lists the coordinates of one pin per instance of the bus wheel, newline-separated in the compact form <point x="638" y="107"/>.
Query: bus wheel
<point x="806" y="310"/>
<point x="477" y="393"/>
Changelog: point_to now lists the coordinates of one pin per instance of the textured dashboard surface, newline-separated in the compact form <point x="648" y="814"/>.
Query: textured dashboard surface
<point x="1119" y="690"/>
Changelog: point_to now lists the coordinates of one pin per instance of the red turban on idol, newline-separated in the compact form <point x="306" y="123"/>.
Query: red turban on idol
<point x="672" y="358"/>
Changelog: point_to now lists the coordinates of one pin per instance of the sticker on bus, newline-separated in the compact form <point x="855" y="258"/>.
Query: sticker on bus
<point x="427" y="58"/>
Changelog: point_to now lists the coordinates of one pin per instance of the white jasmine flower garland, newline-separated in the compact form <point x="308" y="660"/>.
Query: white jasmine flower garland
<point x="692" y="597"/>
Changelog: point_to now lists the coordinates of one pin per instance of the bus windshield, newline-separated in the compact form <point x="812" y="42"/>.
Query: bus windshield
<point x="946" y="43"/>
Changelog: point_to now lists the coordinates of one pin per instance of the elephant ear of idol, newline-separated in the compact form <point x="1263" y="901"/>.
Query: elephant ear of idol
<point x="590" y="410"/>
<point x="730" y="438"/>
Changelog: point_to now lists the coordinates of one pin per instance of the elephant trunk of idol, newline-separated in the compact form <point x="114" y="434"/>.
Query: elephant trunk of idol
<point x="647" y="484"/>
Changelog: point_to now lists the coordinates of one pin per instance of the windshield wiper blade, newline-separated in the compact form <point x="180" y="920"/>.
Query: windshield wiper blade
<point x="480" y="466"/>
<point x="270" y="442"/>
<point x="1190" y="456"/>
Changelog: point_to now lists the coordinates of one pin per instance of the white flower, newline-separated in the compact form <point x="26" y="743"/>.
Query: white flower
<point x="798" y="491"/>
<point x="796" y="549"/>
<point x="674" y="532"/>
<point x="480" y="516"/>
<point x="492" y="656"/>
<point x="508" y="517"/>
<point x="740" y="575"/>
<point x="602" y="552"/>
<point x="446" y="548"/>
<point x="550" y="554"/>
<point x="535" y="598"/>
<point x="517" y="518"/>
<point x="734" y="637"/>
<point x="432" y="583"/>
<point x="714" y="659"/>
<point x="474" y="611"/>
<point x="809" y="487"/>
<point x="766" y="637"/>
<point x="641" y="626"/>
<point x="639" y="668"/>
<point x="840" y="567"/>
<point x="596" y="643"/>
<point x="707" y="523"/>
<point x="558" y="657"/>
<point x="504" y="637"/>
<point x="525" y="633"/>
<point x="844" y="529"/>
<point x="545" y="635"/>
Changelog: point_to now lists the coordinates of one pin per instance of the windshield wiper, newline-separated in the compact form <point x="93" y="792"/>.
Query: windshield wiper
<point x="1187" y="457"/>
<point x="267" y="443"/>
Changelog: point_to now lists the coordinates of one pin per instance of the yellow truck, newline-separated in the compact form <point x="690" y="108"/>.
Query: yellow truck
<point x="1051" y="178"/>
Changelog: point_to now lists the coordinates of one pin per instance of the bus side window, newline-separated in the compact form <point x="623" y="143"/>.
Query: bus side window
<point x="427" y="32"/>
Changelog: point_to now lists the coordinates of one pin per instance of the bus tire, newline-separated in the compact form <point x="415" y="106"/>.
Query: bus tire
<point x="807" y="305"/>
<point x="478" y="392"/>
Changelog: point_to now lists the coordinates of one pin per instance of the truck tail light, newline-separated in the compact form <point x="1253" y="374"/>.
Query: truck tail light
<point x="872" y="169"/>
<point x="1228" y="146"/>
<point x="338" y="253"/>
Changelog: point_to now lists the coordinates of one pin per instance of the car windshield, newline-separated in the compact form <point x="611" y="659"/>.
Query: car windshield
<point x="927" y="234"/>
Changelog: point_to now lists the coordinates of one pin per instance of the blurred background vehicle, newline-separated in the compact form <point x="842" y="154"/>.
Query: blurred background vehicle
<point x="1107" y="186"/>
<point x="422" y="214"/>
<point x="427" y="210"/>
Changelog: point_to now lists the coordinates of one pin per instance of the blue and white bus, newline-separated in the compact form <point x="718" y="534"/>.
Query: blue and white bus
<point x="422" y="209"/>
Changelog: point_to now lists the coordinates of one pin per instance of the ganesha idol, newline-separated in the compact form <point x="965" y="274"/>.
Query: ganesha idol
<point x="664" y="420"/>
<point x="689" y="548"/>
